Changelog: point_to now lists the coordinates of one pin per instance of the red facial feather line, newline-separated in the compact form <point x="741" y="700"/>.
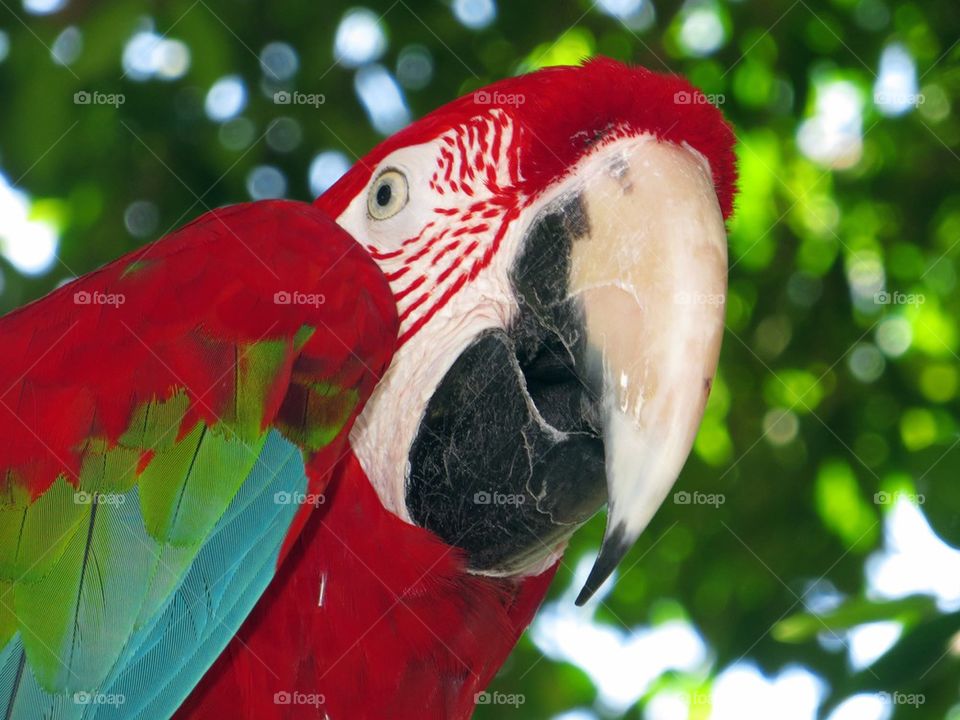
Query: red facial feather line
<point x="462" y="238"/>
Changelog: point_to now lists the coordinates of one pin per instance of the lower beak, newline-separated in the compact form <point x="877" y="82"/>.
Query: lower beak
<point x="650" y="276"/>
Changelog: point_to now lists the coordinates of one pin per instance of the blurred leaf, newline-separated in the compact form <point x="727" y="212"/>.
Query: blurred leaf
<point x="842" y="508"/>
<point x="805" y="626"/>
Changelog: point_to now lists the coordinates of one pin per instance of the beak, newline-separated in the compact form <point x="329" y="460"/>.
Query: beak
<point x="651" y="277"/>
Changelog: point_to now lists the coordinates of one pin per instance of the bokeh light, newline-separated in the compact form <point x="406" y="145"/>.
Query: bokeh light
<point x="149" y="55"/>
<point x="29" y="245"/>
<point x="284" y="135"/>
<point x="414" y="67"/>
<point x="266" y="182"/>
<point x="226" y="98"/>
<point x="702" y="31"/>
<point x="780" y="426"/>
<point x="833" y="136"/>
<point x="911" y="551"/>
<point x="475" y="14"/>
<point x="279" y="61"/>
<point x="382" y="98"/>
<point x="794" y="694"/>
<point x="325" y="169"/>
<point x="869" y="642"/>
<point x="637" y="15"/>
<point x="360" y="38"/>
<point x="620" y="8"/>
<point x="895" y="91"/>
<point x="141" y="218"/>
<point x="237" y="134"/>
<point x="894" y="336"/>
<point x="866" y="362"/>
<point x="67" y="46"/>
<point x="44" y="7"/>
<point x="864" y="706"/>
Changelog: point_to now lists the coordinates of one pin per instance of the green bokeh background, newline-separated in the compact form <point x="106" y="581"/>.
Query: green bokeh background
<point x="816" y="408"/>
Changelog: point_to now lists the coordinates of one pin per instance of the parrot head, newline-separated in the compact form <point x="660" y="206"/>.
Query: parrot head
<point x="557" y="250"/>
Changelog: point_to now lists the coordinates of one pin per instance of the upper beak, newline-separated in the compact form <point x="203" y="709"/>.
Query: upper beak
<point x="651" y="278"/>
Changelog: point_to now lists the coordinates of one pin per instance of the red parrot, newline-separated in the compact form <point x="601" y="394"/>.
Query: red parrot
<point x="322" y="461"/>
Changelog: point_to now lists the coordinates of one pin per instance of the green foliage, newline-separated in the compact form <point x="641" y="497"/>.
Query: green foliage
<point x="839" y="373"/>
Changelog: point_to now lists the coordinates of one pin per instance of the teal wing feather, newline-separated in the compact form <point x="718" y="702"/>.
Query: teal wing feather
<point x="147" y="502"/>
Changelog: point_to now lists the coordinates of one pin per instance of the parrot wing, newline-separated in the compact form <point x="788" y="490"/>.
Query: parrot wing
<point x="166" y="425"/>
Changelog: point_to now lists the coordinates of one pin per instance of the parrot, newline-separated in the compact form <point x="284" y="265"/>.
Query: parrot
<point x="322" y="460"/>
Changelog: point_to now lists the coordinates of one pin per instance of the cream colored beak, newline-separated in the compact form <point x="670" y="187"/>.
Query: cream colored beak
<point x="651" y="277"/>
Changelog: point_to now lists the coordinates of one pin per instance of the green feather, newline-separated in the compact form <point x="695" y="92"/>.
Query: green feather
<point x="329" y="407"/>
<point x="134" y="267"/>
<point x="8" y="615"/>
<point x="108" y="470"/>
<point x="155" y="425"/>
<point x="185" y="489"/>
<point x="75" y="620"/>
<point x="33" y="536"/>
<point x="302" y="336"/>
<point x="320" y="413"/>
<point x="258" y="366"/>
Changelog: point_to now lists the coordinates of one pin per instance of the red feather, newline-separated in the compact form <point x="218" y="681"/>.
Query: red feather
<point x="78" y="362"/>
<point x="404" y="632"/>
<point x="602" y="98"/>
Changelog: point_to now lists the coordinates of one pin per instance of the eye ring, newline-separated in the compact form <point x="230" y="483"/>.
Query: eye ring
<point x="388" y="194"/>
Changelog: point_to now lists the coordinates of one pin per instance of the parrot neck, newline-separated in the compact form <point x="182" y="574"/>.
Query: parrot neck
<point x="368" y="617"/>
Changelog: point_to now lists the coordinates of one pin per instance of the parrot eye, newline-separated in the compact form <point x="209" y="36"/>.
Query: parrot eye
<point x="388" y="195"/>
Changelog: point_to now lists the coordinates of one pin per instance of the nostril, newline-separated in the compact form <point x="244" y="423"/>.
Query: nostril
<point x="619" y="170"/>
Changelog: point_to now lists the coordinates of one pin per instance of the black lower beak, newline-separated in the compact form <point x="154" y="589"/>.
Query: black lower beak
<point x="509" y="459"/>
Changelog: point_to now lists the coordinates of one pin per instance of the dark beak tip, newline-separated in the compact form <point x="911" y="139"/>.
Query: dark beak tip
<point x="615" y="545"/>
<point x="585" y="594"/>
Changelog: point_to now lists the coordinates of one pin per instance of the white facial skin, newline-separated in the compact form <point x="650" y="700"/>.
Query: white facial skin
<point x="386" y="429"/>
<point x="656" y="235"/>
